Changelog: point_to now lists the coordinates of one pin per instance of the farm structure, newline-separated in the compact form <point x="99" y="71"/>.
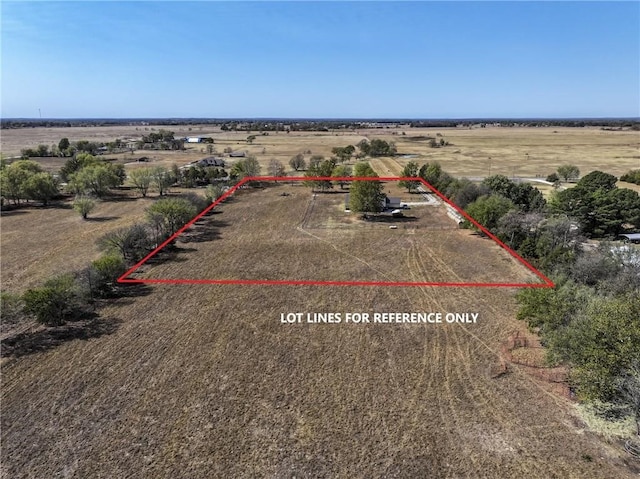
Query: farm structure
<point x="392" y="203"/>
<point x="388" y="203"/>
<point x="198" y="139"/>
<point x="211" y="161"/>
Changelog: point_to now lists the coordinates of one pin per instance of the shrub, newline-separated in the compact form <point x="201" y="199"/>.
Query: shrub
<point x="57" y="301"/>
<point x="104" y="273"/>
<point x="84" y="205"/>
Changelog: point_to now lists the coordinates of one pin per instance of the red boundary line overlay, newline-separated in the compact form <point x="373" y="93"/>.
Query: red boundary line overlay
<point x="547" y="283"/>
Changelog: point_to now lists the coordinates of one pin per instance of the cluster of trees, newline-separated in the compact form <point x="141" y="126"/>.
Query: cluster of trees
<point x="589" y="321"/>
<point x="365" y="196"/>
<point x="377" y="147"/>
<point x="197" y="175"/>
<point x="321" y="168"/>
<point x="248" y="166"/>
<point x="161" y="179"/>
<point x="87" y="175"/>
<point x="342" y="154"/>
<point x="596" y="204"/>
<point x="65" y="148"/>
<point x="463" y="192"/>
<point x="160" y="140"/>
<point x="72" y="296"/>
<point x="25" y="180"/>
<point x="601" y="208"/>
<point x="632" y="176"/>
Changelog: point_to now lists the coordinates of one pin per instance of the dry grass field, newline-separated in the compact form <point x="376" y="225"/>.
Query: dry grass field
<point x="38" y="243"/>
<point x="204" y="380"/>
<point x="523" y="152"/>
<point x="287" y="233"/>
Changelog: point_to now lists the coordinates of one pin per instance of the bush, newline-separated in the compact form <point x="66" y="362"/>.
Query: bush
<point x="214" y="192"/>
<point x="131" y="243"/>
<point x="168" y="215"/>
<point x="56" y="302"/>
<point x="198" y="202"/>
<point x="104" y="273"/>
<point x="632" y="176"/>
<point x="84" y="205"/>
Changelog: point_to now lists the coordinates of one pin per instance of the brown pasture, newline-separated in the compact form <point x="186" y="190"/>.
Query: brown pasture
<point x="521" y="152"/>
<point x="284" y="232"/>
<point x="204" y="381"/>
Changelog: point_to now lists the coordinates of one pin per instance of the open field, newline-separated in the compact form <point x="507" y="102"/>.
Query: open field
<point x="265" y="235"/>
<point x="523" y="152"/>
<point x="38" y="243"/>
<point x="204" y="380"/>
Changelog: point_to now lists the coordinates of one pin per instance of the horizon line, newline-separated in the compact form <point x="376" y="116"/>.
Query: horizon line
<point x="275" y="118"/>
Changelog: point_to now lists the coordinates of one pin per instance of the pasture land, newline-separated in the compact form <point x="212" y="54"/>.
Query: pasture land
<point x="286" y="232"/>
<point x="521" y="152"/>
<point x="38" y="243"/>
<point x="205" y="381"/>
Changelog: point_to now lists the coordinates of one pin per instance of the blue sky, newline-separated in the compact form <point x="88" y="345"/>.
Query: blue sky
<point x="320" y="60"/>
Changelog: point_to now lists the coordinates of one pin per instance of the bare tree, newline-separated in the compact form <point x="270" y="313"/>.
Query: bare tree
<point x="276" y="168"/>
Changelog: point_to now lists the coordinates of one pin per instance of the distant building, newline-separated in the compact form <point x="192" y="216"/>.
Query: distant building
<point x="211" y="161"/>
<point x="198" y="139"/>
<point x="387" y="203"/>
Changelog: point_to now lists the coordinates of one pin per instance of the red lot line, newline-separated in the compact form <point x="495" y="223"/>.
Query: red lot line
<point x="547" y="283"/>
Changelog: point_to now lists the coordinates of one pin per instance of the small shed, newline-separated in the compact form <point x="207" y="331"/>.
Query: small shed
<point x="237" y="154"/>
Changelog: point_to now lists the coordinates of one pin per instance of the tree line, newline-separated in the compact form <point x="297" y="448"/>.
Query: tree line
<point x="590" y="320"/>
<point x="302" y="124"/>
<point x="71" y="296"/>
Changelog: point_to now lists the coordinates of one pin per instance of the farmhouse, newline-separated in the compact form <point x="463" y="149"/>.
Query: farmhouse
<point x="388" y="203"/>
<point x="211" y="161"/>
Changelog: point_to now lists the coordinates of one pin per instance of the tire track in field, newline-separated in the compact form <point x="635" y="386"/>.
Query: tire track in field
<point x="447" y="403"/>
<point x="435" y="375"/>
<point x="458" y="372"/>
<point x="463" y="372"/>
<point x="469" y="297"/>
<point x="346" y="253"/>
